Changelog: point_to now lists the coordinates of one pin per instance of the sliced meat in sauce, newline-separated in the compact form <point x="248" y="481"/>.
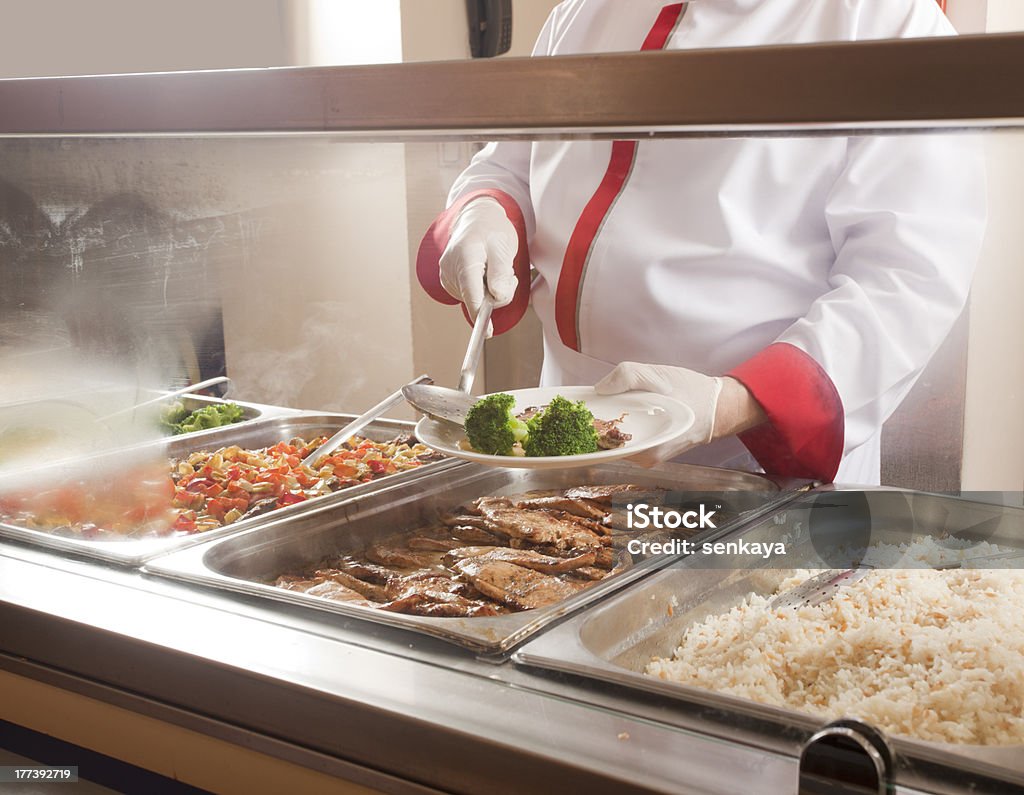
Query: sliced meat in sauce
<point x="584" y="508"/>
<point x="518" y="587"/>
<point x="540" y="527"/>
<point x="527" y="558"/>
<point x="492" y="556"/>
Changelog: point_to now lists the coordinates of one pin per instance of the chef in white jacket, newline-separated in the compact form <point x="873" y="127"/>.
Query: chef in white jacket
<point x="789" y="290"/>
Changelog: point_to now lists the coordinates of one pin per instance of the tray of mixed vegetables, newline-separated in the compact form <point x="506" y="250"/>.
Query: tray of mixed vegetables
<point x="132" y="505"/>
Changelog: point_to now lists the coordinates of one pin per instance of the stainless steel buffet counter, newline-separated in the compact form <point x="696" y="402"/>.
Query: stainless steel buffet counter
<point x="374" y="705"/>
<point x="393" y="710"/>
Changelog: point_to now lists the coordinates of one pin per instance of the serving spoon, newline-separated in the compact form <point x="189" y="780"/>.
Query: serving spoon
<point x="822" y="587"/>
<point x="451" y="405"/>
<point x="360" y="422"/>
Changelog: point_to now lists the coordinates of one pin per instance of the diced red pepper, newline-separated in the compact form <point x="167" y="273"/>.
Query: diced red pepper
<point x="275" y="478"/>
<point x="217" y="508"/>
<point x="305" y="480"/>
<point x="234" y="492"/>
<point x="290" y="498"/>
<point x="184" y="523"/>
<point x="346" y="470"/>
<point x="70" y="503"/>
<point x="378" y="467"/>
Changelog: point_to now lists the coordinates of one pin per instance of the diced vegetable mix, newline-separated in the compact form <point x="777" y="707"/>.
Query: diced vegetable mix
<point x="207" y="490"/>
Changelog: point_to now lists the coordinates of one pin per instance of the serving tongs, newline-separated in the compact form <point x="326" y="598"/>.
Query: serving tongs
<point x="360" y="422"/>
<point x="451" y="405"/>
<point x="823" y="587"/>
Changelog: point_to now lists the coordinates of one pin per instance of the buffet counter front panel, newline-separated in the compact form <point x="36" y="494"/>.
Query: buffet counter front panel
<point x="366" y="703"/>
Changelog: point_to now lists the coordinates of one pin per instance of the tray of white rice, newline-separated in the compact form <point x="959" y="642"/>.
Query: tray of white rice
<point x="931" y="657"/>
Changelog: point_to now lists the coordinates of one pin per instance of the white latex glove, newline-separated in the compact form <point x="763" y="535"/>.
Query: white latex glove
<point x="700" y="392"/>
<point x="482" y="247"/>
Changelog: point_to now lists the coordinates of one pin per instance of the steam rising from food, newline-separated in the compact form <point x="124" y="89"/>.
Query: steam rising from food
<point x="106" y="301"/>
<point x="59" y="405"/>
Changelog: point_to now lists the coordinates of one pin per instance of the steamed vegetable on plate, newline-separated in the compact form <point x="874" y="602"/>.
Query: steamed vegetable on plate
<point x="561" y="428"/>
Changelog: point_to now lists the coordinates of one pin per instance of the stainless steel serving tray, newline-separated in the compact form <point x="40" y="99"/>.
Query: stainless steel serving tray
<point x="250" y="411"/>
<point x="248" y="562"/>
<point x="69" y="414"/>
<point x="614" y="641"/>
<point x="255" y="434"/>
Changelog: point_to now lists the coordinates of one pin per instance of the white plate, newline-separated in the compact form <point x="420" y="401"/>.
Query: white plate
<point x="651" y="419"/>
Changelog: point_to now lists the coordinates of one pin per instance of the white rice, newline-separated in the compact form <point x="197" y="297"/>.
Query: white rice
<point x="938" y="655"/>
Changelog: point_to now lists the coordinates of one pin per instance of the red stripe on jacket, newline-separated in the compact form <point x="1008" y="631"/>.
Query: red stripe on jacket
<point x="436" y="238"/>
<point x="581" y="242"/>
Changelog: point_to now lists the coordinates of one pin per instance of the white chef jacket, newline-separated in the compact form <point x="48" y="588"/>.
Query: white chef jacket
<point x="821" y="272"/>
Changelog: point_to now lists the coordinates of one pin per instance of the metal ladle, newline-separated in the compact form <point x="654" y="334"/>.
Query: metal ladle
<point x="451" y="405"/>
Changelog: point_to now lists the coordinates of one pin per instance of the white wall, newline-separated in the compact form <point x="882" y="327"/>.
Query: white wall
<point x="968" y="16"/>
<point x="1003" y="16"/>
<point x="344" y="32"/>
<point x="994" y="416"/>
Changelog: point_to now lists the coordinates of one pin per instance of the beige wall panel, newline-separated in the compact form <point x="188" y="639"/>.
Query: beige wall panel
<point x="70" y="37"/>
<point x="994" y="419"/>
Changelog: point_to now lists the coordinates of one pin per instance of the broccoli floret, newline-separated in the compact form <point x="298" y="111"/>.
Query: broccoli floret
<point x="213" y="416"/>
<point x="491" y="426"/>
<point x="563" y="428"/>
<point x="177" y="419"/>
<point x="172" y="415"/>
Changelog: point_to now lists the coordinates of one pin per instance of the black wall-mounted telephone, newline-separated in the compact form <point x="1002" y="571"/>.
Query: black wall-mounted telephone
<point x="490" y="27"/>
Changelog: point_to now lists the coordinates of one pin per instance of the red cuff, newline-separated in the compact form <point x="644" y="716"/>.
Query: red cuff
<point x="433" y="245"/>
<point x="803" y="437"/>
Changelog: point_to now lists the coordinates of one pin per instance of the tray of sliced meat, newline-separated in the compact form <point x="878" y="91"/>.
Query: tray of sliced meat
<point x="478" y="556"/>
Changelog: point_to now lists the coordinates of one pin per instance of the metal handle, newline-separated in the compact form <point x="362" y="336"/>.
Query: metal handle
<point x="847" y="757"/>
<point x="476" y="344"/>
<point x="176" y="393"/>
<point x="995" y="556"/>
<point x="360" y="422"/>
<point x="819" y="588"/>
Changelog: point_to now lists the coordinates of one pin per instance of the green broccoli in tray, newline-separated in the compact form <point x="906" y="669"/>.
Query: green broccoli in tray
<point x="558" y="429"/>
<point x="177" y="419"/>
